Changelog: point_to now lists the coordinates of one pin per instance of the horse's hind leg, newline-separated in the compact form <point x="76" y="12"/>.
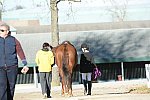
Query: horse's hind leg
<point x="70" y="86"/>
<point x="70" y="92"/>
<point x="63" y="89"/>
<point x="62" y="83"/>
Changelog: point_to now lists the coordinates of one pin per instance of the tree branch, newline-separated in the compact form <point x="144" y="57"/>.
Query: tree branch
<point x="58" y="1"/>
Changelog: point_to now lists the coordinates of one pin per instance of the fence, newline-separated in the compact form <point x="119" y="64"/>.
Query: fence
<point x="110" y="71"/>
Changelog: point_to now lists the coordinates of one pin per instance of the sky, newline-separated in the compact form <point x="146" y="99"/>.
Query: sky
<point x="73" y="12"/>
<point x="10" y="4"/>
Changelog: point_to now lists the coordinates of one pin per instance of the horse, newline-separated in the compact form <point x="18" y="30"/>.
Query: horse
<point x="66" y="60"/>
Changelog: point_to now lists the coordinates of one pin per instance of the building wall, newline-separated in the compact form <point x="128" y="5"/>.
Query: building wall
<point x="119" y="45"/>
<point x="109" y="47"/>
<point x="23" y="23"/>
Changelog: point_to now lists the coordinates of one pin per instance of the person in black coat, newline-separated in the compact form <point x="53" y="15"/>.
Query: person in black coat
<point x="86" y="67"/>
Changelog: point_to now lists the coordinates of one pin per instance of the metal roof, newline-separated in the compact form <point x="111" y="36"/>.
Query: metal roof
<point x="119" y="45"/>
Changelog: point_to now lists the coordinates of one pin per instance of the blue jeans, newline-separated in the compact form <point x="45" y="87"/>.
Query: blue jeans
<point x="8" y="77"/>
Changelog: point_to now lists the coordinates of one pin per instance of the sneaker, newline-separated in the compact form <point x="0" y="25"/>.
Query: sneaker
<point x="44" y="96"/>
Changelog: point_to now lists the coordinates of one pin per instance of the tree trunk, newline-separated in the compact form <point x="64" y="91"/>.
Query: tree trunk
<point x="54" y="23"/>
<point x="0" y="15"/>
<point x="1" y="7"/>
<point x="54" y="39"/>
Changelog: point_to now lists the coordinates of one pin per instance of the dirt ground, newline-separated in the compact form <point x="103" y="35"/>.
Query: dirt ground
<point x="97" y="89"/>
<point x="35" y="95"/>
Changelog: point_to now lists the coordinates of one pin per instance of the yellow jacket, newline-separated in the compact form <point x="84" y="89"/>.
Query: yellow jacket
<point x="44" y="60"/>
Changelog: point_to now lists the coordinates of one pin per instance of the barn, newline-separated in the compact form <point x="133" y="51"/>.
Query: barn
<point x="117" y="33"/>
<point x="120" y="48"/>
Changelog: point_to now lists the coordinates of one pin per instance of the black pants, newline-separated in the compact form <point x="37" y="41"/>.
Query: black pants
<point x="8" y="77"/>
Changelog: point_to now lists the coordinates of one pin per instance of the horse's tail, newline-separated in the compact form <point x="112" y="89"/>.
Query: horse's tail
<point x="66" y="63"/>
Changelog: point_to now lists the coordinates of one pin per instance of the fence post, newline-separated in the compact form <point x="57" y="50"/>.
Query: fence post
<point x="147" y="68"/>
<point x="35" y="77"/>
<point x="122" y="71"/>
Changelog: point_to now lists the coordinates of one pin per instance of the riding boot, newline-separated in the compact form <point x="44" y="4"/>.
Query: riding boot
<point x="85" y="87"/>
<point x="89" y="87"/>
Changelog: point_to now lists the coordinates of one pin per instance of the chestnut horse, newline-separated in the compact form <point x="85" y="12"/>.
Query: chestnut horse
<point x="66" y="60"/>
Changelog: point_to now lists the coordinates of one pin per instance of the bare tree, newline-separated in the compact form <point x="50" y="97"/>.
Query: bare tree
<point x="1" y="7"/>
<point x="54" y="38"/>
<point x="118" y="9"/>
<point x="55" y="34"/>
<point x="54" y="22"/>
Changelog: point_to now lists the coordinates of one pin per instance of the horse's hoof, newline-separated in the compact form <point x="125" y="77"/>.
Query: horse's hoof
<point x="71" y="95"/>
<point x="62" y="94"/>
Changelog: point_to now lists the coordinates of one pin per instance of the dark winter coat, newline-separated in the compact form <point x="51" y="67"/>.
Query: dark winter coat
<point x="9" y="48"/>
<point x="85" y="65"/>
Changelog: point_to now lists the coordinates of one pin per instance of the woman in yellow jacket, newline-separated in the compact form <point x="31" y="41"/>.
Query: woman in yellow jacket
<point x="44" y="60"/>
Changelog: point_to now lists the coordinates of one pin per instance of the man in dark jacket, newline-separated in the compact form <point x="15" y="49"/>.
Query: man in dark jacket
<point x="9" y="49"/>
<point x="86" y="67"/>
